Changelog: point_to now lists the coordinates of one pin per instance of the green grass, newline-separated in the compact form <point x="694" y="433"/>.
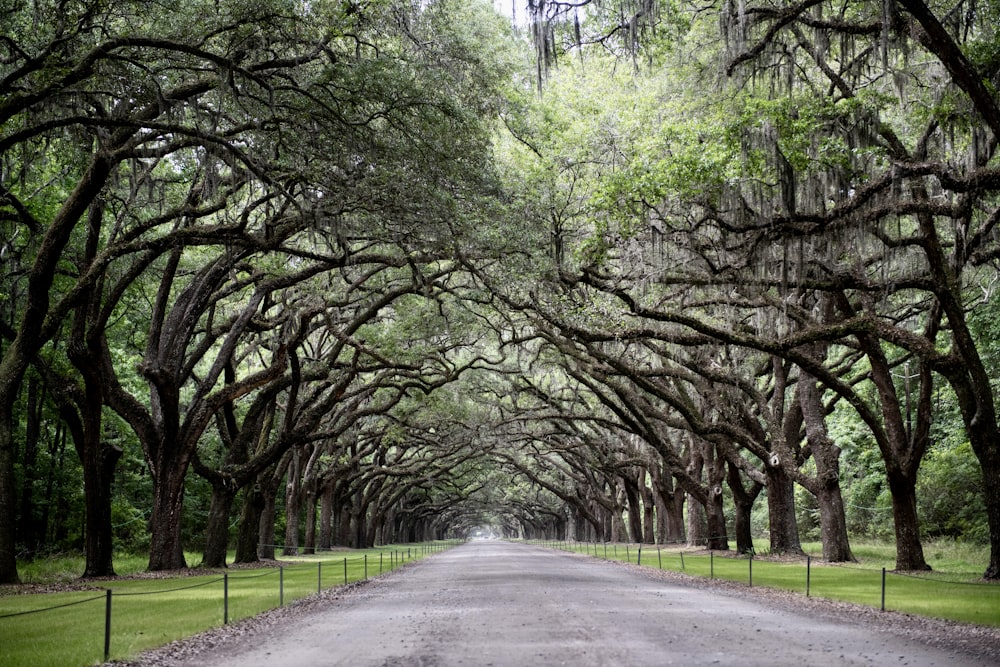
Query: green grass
<point x="69" y="627"/>
<point x="954" y="589"/>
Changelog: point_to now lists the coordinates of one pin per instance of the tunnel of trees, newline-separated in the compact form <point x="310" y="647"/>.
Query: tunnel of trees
<point x="281" y="276"/>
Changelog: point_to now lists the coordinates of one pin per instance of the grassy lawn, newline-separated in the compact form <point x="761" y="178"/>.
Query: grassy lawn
<point x="68" y="628"/>
<point x="954" y="589"/>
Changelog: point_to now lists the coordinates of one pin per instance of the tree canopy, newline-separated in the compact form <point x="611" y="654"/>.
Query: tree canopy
<point x="289" y="276"/>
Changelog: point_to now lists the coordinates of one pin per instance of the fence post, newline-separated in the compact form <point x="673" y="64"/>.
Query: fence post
<point x="659" y="558"/>
<point x="711" y="565"/>
<point x="225" y="598"/>
<point x="366" y="567"/>
<point x="281" y="586"/>
<point x="682" y="561"/>
<point x="380" y="554"/>
<point x="319" y="577"/>
<point x="808" y="572"/>
<point x="883" y="589"/>
<point x="750" y="562"/>
<point x="107" y="625"/>
<point x="345" y="569"/>
<point x="638" y="558"/>
<point x="627" y="556"/>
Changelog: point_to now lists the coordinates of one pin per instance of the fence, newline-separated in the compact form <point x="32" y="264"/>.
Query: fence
<point x="137" y="614"/>
<point x="939" y="595"/>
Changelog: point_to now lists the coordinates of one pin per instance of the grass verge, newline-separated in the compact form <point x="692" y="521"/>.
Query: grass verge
<point x="67" y="629"/>
<point x="953" y="590"/>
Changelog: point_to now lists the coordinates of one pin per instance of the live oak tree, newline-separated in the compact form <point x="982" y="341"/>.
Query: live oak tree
<point x="91" y="97"/>
<point x="255" y="125"/>
<point x="924" y="201"/>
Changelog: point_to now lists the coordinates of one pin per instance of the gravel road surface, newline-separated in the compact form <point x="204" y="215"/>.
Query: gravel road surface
<point x="496" y="603"/>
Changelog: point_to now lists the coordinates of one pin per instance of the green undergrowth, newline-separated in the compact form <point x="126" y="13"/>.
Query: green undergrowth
<point x="952" y="590"/>
<point x="66" y="628"/>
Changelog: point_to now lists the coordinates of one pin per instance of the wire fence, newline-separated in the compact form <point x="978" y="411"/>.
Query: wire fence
<point x="142" y="613"/>
<point x="951" y="596"/>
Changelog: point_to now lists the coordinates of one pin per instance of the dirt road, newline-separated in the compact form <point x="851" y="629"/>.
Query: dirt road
<point x="494" y="603"/>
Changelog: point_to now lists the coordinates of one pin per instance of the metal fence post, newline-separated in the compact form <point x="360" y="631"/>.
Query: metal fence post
<point x="883" y="589"/>
<point x="808" y="572"/>
<point x="107" y="625"/>
<point x="225" y="598"/>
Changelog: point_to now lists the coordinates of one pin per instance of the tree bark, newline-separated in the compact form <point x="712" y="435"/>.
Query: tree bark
<point x="743" y="501"/>
<point x="781" y="511"/>
<point x="217" y="530"/>
<point x="166" y="550"/>
<point x="326" y="515"/>
<point x="826" y="485"/>
<point x="248" y="532"/>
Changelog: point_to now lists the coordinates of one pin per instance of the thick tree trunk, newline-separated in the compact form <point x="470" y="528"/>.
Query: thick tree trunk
<point x="10" y="377"/>
<point x="826" y="484"/>
<point x="30" y="531"/>
<point x="98" y="477"/>
<point x="267" y="529"/>
<point x="697" y="528"/>
<point x="326" y="516"/>
<point x="781" y="511"/>
<point x="248" y="533"/>
<point x="833" y="523"/>
<point x="166" y="551"/>
<point x="293" y="508"/>
<point x="309" y="499"/>
<point x="718" y="539"/>
<point x="909" y="550"/>
<point x="989" y="459"/>
<point x="648" y="510"/>
<point x="217" y="530"/>
<point x="979" y="415"/>
<point x="743" y="501"/>
<point x="634" y="510"/>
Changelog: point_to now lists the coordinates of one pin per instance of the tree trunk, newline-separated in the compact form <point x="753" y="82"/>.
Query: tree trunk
<point x="9" y="382"/>
<point x="743" y="501"/>
<point x="648" y="510"/>
<point x="217" y="530"/>
<point x="248" y="533"/>
<point x="989" y="459"/>
<point x="326" y="516"/>
<point x="909" y="550"/>
<point x="166" y="550"/>
<point x="697" y="529"/>
<point x="293" y="507"/>
<point x="98" y="477"/>
<point x="634" y="510"/>
<point x="267" y="530"/>
<point x="718" y="539"/>
<point x="781" y="511"/>
<point x="833" y="523"/>
<point x="826" y="485"/>
<point x="309" y="498"/>
<point x="29" y="529"/>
